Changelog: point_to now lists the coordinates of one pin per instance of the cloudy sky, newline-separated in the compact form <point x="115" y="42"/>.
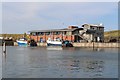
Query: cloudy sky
<point x="20" y="17"/>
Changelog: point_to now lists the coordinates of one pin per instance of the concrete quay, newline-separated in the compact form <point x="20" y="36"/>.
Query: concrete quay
<point x="96" y="45"/>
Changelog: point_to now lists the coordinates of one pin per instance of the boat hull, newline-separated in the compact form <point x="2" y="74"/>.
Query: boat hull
<point x="50" y="44"/>
<point x="54" y="48"/>
<point x="22" y="43"/>
<point x="54" y="43"/>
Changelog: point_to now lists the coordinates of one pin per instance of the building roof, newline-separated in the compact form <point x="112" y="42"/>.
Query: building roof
<point x="55" y="30"/>
<point x="95" y="25"/>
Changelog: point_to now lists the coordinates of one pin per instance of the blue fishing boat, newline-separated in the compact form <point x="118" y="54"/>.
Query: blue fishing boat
<point x="22" y="42"/>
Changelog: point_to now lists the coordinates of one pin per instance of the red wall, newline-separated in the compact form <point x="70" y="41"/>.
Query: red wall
<point x="45" y="37"/>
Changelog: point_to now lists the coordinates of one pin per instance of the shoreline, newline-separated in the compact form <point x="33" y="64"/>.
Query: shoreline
<point x="76" y="44"/>
<point x="86" y="45"/>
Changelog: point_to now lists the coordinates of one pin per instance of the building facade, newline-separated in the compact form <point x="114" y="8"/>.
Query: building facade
<point x="87" y="33"/>
<point x="93" y="32"/>
<point x="63" y="34"/>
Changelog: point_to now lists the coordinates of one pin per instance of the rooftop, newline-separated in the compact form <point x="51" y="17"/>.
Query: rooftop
<point x="95" y="25"/>
<point x="56" y="30"/>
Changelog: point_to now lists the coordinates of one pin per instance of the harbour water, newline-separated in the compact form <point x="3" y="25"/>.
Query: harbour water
<point x="43" y="62"/>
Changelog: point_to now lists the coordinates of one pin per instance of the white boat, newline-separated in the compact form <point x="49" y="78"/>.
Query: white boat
<point x="55" y="42"/>
<point x="22" y="42"/>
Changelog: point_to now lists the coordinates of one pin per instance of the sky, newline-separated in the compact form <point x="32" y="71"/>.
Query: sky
<point x="21" y="17"/>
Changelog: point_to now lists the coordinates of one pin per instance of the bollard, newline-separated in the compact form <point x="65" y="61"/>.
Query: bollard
<point x="4" y="50"/>
<point x="4" y="47"/>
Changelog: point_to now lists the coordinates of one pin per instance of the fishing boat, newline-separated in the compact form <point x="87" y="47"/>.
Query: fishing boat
<point x="22" y="42"/>
<point x="33" y="43"/>
<point x="67" y="43"/>
<point x="55" y="42"/>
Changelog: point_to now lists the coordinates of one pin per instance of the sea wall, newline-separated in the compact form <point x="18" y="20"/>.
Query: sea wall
<point x="15" y="44"/>
<point x="102" y="45"/>
<point x="99" y="45"/>
<point x="42" y="44"/>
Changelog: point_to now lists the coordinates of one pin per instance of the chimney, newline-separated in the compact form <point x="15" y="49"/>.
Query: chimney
<point x="72" y="27"/>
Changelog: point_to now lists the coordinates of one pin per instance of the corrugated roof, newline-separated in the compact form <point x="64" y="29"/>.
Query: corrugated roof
<point x="55" y="30"/>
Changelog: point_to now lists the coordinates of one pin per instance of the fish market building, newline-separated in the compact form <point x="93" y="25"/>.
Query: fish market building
<point x="87" y="33"/>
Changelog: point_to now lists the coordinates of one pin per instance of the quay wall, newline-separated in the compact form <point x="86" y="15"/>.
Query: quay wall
<point x="97" y="45"/>
<point x="42" y="44"/>
<point x="102" y="45"/>
<point x="15" y="44"/>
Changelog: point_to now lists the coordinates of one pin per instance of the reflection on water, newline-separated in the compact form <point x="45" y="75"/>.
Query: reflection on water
<point x="75" y="65"/>
<point x="96" y="67"/>
<point x="98" y="49"/>
<point x="27" y="62"/>
<point x="54" y="48"/>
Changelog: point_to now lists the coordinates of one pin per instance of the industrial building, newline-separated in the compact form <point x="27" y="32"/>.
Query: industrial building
<point x="86" y="33"/>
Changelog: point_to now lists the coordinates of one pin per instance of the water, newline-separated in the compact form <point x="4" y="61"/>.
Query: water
<point x="42" y="62"/>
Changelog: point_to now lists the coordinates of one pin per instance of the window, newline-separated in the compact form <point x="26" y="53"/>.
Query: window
<point x="57" y="33"/>
<point x="64" y="33"/>
<point x="40" y="33"/>
<point x="47" y="33"/>
<point x="69" y="33"/>
<point x="93" y="28"/>
<point x="101" y="29"/>
<point x="33" y="33"/>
